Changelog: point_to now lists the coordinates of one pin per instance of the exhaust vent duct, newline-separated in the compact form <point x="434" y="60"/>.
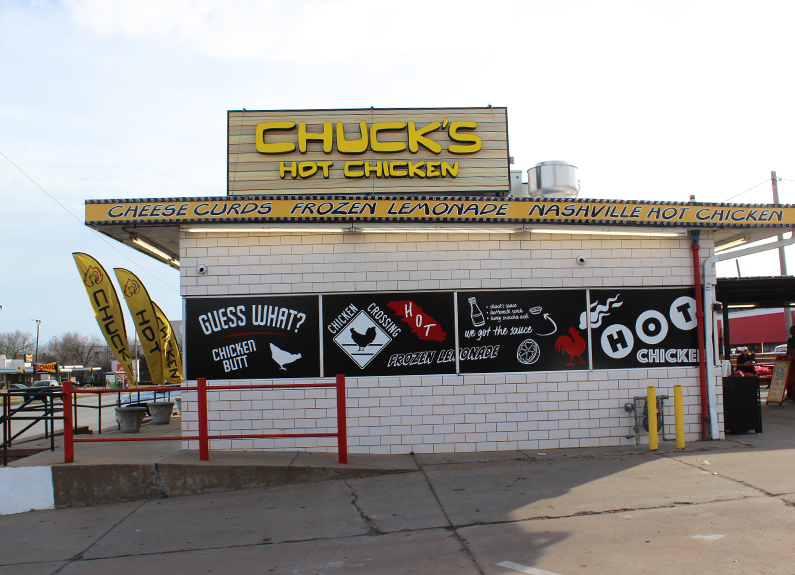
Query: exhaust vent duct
<point x="552" y="180"/>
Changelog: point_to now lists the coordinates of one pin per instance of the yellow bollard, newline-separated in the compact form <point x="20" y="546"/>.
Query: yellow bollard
<point x="651" y="403"/>
<point x="679" y="417"/>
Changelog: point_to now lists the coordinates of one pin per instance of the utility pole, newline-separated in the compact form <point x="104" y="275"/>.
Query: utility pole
<point x="782" y="258"/>
<point x="36" y="359"/>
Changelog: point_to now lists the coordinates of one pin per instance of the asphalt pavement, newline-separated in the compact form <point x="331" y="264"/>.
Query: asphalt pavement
<point x="715" y="508"/>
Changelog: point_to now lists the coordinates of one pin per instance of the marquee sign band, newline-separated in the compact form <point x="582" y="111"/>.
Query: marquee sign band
<point x="264" y="209"/>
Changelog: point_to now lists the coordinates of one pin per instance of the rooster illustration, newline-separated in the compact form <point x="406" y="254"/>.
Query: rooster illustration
<point x="283" y="357"/>
<point x="363" y="339"/>
<point x="575" y="345"/>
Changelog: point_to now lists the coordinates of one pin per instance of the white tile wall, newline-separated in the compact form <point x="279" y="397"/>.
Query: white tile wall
<point x="441" y="413"/>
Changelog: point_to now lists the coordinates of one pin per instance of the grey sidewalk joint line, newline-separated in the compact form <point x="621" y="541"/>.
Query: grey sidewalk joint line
<point x="461" y="540"/>
<point x="79" y="556"/>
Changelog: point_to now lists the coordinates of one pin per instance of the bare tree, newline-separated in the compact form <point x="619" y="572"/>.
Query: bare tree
<point x="71" y="348"/>
<point x="14" y="343"/>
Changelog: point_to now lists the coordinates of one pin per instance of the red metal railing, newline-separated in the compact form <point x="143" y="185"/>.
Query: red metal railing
<point x="203" y="436"/>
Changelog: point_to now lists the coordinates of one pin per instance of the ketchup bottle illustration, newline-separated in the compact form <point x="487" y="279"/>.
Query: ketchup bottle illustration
<point x="475" y="313"/>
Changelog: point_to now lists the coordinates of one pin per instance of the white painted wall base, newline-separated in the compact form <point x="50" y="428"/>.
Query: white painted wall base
<point x="37" y="493"/>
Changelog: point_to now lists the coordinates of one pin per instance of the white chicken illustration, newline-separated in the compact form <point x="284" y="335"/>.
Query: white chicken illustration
<point x="283" y="357"/>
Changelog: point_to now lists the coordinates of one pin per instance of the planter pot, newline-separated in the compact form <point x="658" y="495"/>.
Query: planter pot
<point x="130" y="418"/>
<point x="161" y="411"/>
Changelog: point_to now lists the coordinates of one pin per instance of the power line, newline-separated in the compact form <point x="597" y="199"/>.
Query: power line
<point x="748" y="190"/>
<point x="82" y="223"/>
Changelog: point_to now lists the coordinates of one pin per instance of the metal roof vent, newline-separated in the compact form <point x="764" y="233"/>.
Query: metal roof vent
<point x="552" y="180"/>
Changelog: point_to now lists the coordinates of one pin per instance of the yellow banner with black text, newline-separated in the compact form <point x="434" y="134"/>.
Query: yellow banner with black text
<point x="506" y="210"/>
<point x="107" y="309"/>
<point x="145" y="319"/>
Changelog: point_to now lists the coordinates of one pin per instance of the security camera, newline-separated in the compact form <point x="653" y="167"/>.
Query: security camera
<point x="201" y="269"/>
<point x="581" y="260"/>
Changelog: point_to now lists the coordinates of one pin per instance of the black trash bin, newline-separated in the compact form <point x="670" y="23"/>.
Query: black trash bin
<point x="742" y="405"/>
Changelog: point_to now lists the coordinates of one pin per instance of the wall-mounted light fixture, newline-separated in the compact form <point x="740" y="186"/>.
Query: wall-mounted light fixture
<point x="167" y="258"/>
<point x="243" y="229"/>
<point x="732" y="242"/>
<point x="428" y="229"/>
<point x="436" y="230"/>
<point x="741" y="305"/>
<point x="607" y="232"/>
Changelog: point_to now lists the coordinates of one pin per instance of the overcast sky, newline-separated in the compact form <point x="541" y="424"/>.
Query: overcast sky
<point x="652" y="100"/>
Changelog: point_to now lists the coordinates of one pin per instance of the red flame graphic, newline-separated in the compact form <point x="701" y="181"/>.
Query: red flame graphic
<point x="93" y="276"/>
<point x="131" y="288"/>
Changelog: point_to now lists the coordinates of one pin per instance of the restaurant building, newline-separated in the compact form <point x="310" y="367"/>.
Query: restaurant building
<point x="468" y="311"/>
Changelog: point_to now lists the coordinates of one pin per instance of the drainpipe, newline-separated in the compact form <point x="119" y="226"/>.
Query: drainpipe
<point x="709" y="301"/>
<point x="702" y="360"/>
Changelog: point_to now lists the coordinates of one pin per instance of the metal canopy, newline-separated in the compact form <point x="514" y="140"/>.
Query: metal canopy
<point x="764" y="292"/>
<point x="165" y="236"/>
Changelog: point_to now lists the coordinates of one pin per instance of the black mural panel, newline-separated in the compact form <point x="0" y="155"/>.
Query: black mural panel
<point x="643" y="328"/>
<point x="527" y="330"/>
<point x="252" y="337"/>
<point x="406" y="333"/>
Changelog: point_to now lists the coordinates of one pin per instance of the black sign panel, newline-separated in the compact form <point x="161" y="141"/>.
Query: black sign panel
<point x="643" y="328"/>
<point x="404" y="333"/>
<point x="252" y="337"/>
<point x="528" y="330"/>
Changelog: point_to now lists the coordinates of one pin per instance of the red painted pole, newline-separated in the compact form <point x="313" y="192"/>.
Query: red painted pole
<point x="702" y="344"/>
<point x="204" y="441"/>
<point x="342" y="423"/>
<point x="68" y="426"/>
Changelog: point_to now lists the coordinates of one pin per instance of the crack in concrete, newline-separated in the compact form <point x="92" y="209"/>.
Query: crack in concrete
<point x="373" y="528"/>
<point x="761" y="490"/>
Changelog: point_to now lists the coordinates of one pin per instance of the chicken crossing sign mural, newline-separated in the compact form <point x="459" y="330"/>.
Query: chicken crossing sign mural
<point x="362" y="339"/>
<point x="252" y="337"/>
<point x="389" y="333"/>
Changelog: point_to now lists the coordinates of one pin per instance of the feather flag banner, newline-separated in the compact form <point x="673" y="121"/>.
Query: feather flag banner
<point x="145" y="320"/>
<point x="107" y="309"/>
<point x="172" y="357"/>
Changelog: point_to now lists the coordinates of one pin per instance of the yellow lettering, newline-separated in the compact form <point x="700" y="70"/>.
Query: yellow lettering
<point x="447" y="169"/>
<point x="352" y="146"/>
<point x="307" y="169"/>
<point x="283" y="167"/>
<point x="273" y="148"/>
<point x="327" y="137"/>
<point x="348" y="170"/>
<point x="377" y="146"/>
<point x="416" y="169"/>
<point x="432" y="169"/>
<point x="417" y="137"/>
<point x="394" y="172"/>
<point x="475" y="142"/>
<point x="369" y="168"/>
<point x="325" y="165"/>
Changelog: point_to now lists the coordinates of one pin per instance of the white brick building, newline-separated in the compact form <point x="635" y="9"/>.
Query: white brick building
<point x="496" y="411"/>
<point x="452" y="307"/>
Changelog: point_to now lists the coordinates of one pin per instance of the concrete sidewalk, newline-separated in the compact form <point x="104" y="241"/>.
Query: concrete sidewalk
<point x="129" y="471"/>
<point x="134" y="470"/>
<point x="715" y="508"/>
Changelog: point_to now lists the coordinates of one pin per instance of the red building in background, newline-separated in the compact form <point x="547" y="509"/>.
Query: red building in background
<point x="759" y="329"/>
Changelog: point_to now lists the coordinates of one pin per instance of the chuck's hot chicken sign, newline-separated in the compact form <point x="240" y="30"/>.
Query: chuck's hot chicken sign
<point x="444" y="151"/>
